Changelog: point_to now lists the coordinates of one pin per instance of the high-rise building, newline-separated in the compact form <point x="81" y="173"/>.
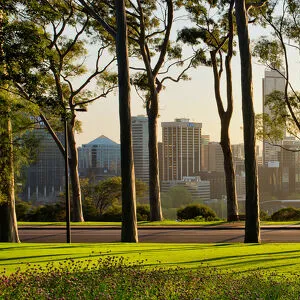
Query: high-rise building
<point x="45" y="178"/>
<point x="99" y="158"/>
<point x="204" y="152"/>
<point x="215" y="157"/>
<point x="140" y="138"/>
<point x="273" y="81"/>
<point x="181" y="149"/>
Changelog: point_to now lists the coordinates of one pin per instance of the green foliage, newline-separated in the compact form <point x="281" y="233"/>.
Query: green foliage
<point x="263" y="216"/>
<point x="286" y="214"/>
<point x="23" y="209"/>
<point x="121" y="279"/>
<point x="107" y="193"/>
<point x="269" y="52"/>
<point x="112" y="214"/>
<point x="194" y="211"/>
<point x="48" y="213"/>
<point x="272" y="127"/>
<point x="175" y="197"/>
<point x="143" y="212"/>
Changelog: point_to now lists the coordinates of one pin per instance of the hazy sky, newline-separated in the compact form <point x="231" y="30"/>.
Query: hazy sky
<point x="192" y="99"/>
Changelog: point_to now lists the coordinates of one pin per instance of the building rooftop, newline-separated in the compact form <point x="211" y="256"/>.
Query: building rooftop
<point x="102" y="140"/>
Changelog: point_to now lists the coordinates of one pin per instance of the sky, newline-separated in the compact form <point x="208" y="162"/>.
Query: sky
<point x="192" y="99"/>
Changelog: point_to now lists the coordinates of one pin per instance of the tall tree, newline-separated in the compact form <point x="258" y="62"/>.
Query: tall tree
<point x="215" y="29"/>
<point x="8" y="219"/>
<point x="64" y="30"/>
<point x="252" y="227"/>
<point x="150" y="24"/>
<point x="129" y="221"/>
<point x="283" y="18"/>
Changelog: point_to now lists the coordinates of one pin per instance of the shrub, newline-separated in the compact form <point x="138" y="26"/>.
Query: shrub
<point x="23" y="209"/>
<point x="264" y="216"/>
<point x="143" y="212"/>
<point x="48" y="213"/>
<point x="193" y="211"/>
<point x="112" y="214"/>
<point x="286" y="214"/>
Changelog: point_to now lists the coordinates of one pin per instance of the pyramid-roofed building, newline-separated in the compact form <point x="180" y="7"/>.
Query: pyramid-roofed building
<point x="100" y="158"/>
<point x="101" y="140"/>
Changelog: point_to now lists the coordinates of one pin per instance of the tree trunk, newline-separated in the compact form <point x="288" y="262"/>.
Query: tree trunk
<point x="154" y="186"/>
<point x="252" y="228"/>
<point x="77" y="214"/>
<point x="232" y="205"/>
<point x="129" y="222"/>
<point x="8" y="219"/>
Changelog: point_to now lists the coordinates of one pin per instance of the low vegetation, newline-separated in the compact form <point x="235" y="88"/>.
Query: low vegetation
<point x="149" y="271"/>
<point x="114" y="278"/>
<point x="196" y="212"/>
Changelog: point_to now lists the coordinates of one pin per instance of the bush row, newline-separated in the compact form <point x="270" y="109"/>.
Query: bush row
<point x="56" y="213"/>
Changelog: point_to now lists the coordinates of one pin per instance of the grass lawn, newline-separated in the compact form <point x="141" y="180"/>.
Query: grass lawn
<point x="141" y="223"/>
<point x="158" y="223"/>
<point x="283" y="258"/>
<point x="149" y="271"/>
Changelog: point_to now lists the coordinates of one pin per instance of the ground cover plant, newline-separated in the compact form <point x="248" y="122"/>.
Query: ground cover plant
<point x="149" y="271"/>
<point x="114" y="278"/>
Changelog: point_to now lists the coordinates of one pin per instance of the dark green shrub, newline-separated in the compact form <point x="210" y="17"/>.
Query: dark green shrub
<point x="48" y="213"/>
<point x="193" y="211"/>
<point x="112" y="214"/>
<point x="286" y="214"/>
<point x="89" y="209"/>
<point x="143" y="212"/>
<point x="23" y="209"/>
<point x="264" y="216"/>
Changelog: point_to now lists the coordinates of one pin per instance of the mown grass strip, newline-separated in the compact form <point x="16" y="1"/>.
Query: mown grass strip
<point x="283" y="258"/>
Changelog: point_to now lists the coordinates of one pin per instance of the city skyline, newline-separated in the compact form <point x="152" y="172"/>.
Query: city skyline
<point x="193" y="99"/>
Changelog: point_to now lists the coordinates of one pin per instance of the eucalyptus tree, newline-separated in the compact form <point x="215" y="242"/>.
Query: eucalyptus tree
<point x="150" y="26"/>
<point x="99" y="12"/>
<point x="252" y="226"/>
<point x="62" y="82"/>
<point x="214" y="30"/>
<point x="282" y="18"/>
<point x="8" y="219"/>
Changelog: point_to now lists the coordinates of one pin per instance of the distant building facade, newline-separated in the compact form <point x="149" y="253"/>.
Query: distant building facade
<point x="45" y="178"/>
<point x="99" y="158"/>
<point x="181" y="149"/>
<point x="198" y="189"/>
<point x="204" y="152"/>
<point x="273" y="81"/>
<point x="140" y="138"/>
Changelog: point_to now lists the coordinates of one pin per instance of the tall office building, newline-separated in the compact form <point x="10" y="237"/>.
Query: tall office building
<point x="140" y="138"/>
<point x="273" y="81"/>
<point x="99" y="158"/>
<point x="204" y="152"/>
<point x="45" y="178"/>
<point x="215" y="157"/>
<point x="181" y="149"/>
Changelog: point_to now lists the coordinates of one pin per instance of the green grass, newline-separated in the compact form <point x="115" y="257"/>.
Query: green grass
<point x="284" y="258"/>
<point x="141" y="223"/>
<point x="158" y="223"/>
<point x="149" y="271"/>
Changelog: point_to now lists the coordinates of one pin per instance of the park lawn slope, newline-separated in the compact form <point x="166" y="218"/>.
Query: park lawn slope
<point x="281" y="258"/>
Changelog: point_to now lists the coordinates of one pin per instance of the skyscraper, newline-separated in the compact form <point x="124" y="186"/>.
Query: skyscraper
<point x="273" y="81"/>
<point x="140" y="138"/>
<point x="45" y="178"/>
<point x="100" y="158"/>
<point x="181" y="149"/>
